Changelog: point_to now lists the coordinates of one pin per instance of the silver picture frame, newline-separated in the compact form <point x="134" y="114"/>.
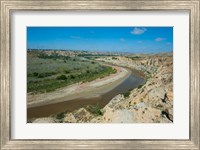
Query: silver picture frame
<point x="7" y="6"/>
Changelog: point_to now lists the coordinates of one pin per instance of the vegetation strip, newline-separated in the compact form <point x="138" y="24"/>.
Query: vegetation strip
<point x="49" y="72"/>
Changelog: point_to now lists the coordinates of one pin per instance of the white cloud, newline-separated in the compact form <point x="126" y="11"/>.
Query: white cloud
<point x="138" y="31"/>
<point x="75" y="37"/>
<point x="160" y="39"/>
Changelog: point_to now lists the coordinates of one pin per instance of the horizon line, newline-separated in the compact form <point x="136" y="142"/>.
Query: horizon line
<point x="102" y="51"/>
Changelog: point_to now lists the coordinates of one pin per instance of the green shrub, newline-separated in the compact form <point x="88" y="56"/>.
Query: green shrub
<point x="72" y="76"/>
<point x="130" y="90"/>
<point x="94" y="109"/>
<point x="114" y="71"/>
<point x="140" y="86"/>
<point x="60" y="115"/>
<point x="67" y="71"/>
<point x="35" y="74"/>
<point x="42" y="75"/>
<point x="61" y="77"/>
<point x="45" y="74"/>
<point x="114" y="58"/>
<point x="126" y="94"/>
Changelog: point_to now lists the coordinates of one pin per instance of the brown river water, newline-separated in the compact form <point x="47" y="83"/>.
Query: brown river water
<point x="133" y="81"/>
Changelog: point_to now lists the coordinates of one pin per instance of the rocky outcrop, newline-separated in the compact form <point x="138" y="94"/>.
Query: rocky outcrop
<point x="153" y="101"/>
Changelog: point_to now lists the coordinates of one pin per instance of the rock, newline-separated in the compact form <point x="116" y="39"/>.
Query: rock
<point x="82" y="115"/>
<point x="78" y="116"/>
<point x="169" y="112"/>
<point x="170" y="117"/>
<point x="147" y="115"/>
<point x="115" y="100"/>
<point x="107" y="113"/>
<point x="170" y="95"/>
<point x="139" y="105"/>
<point x="45" y="120"/>
<point x="97" y="119"/>
<point x="164" y="120"/>
<point x="123" y="116"/>
<point x="157" y="93"/>
<point x="118" y="116"/>
<point x="69" y="118"/>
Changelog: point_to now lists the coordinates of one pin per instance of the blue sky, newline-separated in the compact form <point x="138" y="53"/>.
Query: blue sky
<point x="112" y="39"/>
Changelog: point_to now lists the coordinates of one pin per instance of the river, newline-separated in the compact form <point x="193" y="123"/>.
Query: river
<point x="133" y="81"/>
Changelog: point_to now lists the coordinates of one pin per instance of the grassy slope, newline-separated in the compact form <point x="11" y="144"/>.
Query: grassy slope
<point x="48" y="74"/>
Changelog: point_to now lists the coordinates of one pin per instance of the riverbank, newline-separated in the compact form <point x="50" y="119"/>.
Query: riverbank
<point x="87" y="90"/>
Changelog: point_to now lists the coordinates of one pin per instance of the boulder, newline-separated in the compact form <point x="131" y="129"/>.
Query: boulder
<point x="123" y="116"/>
<point x="157" y="93"/>
<point x="118" y="116"/>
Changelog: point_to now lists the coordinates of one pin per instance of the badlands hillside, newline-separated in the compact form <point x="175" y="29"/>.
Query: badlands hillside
<point x="151" y="102"/>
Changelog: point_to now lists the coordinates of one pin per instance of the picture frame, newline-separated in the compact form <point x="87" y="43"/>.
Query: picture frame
<point x="7" y="6"/>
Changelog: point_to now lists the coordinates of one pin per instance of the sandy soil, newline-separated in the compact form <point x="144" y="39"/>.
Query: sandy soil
<point x="86" y="90"/>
